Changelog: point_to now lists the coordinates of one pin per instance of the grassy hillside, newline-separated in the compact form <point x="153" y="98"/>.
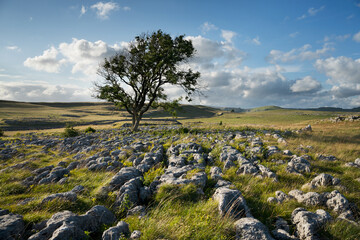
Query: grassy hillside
<point x="265" y="108"/>
<point x="19" y="116"/>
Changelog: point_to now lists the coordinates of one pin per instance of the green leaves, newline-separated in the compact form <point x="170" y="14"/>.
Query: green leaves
<point x="134" y="77"/>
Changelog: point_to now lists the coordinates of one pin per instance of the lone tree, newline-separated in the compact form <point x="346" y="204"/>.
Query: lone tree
<point x="136" y="77"/>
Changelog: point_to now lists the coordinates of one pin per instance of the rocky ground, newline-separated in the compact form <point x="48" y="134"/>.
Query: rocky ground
<point x="142" y="164"/>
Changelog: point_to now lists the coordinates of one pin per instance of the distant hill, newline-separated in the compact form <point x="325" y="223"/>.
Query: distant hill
<point x="187" y="110"/>
<point x="333" y="109"/>
<point x="234" y="109"/>
<point x="71" y="104"/>
<point x="13" y="104"/>
<point x="265" y="108"/>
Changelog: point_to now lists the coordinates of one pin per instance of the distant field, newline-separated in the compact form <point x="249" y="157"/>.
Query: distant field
<point x="19" y="116"/>
<point x="337" y="138"/>
<point x="16" y="116"/>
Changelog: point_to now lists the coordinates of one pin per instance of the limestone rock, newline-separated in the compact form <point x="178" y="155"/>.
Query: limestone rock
<point x="336" y="202"/>
<point x="310" y="198"/>
<point x="114" y="233"/>
<point x="124" y="175"/>
<point x="322" y="179"/>
<point x="68" y="230"/>
<point x="66" y="196"/>
<point x="102" y="215"/>
<point x="231" y="202"/>
<point x="298" y="165"/>
<point x="281" y="231"/>
<point x="129" y="192"/>
<point x="322" y="157"/>
<point x="12" y="226"/>
<point x="229" y="153"/>
<point x="281" y="196"/>
<point x="228" y="164"/>
<point x="135" y="234"/>
<point x="53" y="223"/>
<point x="249" y="228"/>
<point x="67" y="225"/>
<point x="308" y="223"/>
<point x="215" y="173"/>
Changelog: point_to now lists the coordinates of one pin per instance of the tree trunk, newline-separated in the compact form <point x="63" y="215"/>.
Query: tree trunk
<point x="135" y="122"/>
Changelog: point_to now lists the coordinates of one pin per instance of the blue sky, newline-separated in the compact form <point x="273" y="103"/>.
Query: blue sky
<point x="250" y="53"/>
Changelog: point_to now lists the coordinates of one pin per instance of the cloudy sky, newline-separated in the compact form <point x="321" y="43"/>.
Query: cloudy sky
<point x="250" y="53"/>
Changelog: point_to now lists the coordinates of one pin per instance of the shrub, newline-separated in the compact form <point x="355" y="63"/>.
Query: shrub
<point x="70" y="131"/>
<point x="183" y="130"/>
<point x="90" y="130"/>
<point x="1" y="132"/>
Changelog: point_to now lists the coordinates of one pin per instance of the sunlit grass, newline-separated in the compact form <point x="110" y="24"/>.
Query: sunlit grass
<point x="173" y="219"/>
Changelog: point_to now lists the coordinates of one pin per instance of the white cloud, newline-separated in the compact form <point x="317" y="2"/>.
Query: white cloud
<point x="211" y="54"/>
<point x="248" y="87"/>
<point x="83" y="10"/>
<point x="13" y="48"/>
<point x="126" y="8"/>
<point x="344" y="75"/>
<point x="311" y="12"/>
<point x="356" y="37"/>
<point x="294" y="34"/>
<point x="256" y="41"/>
<point x="301" y="54"/>
<point x="34" y="92"/>
<point x="206" y="27"/>
<point x="342" y="37"/>
<point x="314" y="11"/>
<point x="306" y="84"/>
<point x="217" y="78"/>
<point x="341" y="69"/>
<point x="230" y="85"/>
<point x="2" y="75"/>
<point x="86" y="55"/>
<point x="345" y="91"/>
<point x="47" y="62"/>
<point x="227" y="83"/>
<point x="103" y="9"/>
<point x="278" y="68"/>
<point x="228" y="35"/>
<point x="337" y="37"/>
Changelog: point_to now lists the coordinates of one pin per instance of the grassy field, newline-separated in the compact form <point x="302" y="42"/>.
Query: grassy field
<point x="18" y="116"/>
<point x="197" y="219"/>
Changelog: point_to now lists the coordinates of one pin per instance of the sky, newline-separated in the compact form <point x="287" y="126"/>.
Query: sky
<point x="250" y="53"/>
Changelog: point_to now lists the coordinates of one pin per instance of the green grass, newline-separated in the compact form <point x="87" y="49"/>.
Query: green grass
<point x="150" y="175"/>
<point x="341" y="230"/>
<point x="174" y="219"/>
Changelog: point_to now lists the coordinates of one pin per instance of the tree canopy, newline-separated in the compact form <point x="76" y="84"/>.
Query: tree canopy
<point x="135" y="78"/>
